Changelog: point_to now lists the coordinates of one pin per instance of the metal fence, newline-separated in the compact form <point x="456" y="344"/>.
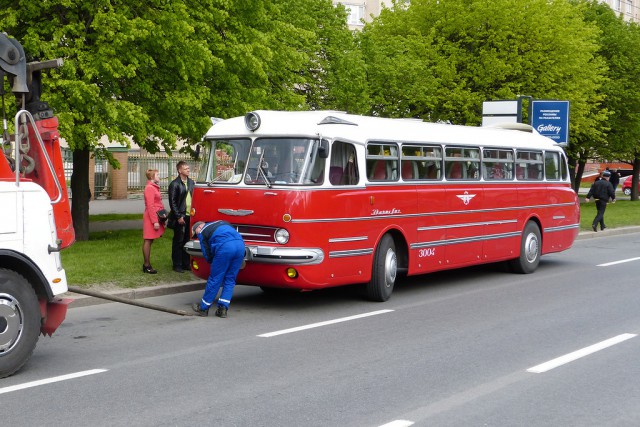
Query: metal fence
<point x="137" y="166"/>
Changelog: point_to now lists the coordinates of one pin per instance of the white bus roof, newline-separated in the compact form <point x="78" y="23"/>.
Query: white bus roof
<point x="361" y="129"/>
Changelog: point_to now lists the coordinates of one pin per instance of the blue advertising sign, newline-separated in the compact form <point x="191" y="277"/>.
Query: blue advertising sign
<point x="551" y="119"/>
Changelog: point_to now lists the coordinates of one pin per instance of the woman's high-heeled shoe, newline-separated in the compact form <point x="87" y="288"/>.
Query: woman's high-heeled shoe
<point x="148" y="269"/>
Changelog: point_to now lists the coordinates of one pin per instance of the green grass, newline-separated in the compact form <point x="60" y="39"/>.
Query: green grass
<point x="113" y="217"/>
<point x="622" y="213"/>
<point x="114" y="259"/>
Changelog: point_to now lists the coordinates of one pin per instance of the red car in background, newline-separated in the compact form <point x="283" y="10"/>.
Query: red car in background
<point x="626" y="186"/>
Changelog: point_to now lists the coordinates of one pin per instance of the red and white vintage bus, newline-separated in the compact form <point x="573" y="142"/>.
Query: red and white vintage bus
<point x="325" y="198"/>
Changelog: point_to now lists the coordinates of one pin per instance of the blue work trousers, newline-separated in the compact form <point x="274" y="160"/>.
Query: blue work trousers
<point x="224" y="270"/>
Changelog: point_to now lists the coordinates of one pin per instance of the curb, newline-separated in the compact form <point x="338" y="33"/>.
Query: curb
<point x="608" y="232"/>
<point x="133" y="294"/>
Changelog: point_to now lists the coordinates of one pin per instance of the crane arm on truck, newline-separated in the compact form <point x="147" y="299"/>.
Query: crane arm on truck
<point x="36" y="213"/>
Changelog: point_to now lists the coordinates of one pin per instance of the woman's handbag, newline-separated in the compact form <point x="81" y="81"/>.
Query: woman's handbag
<point x="162" y="216"/>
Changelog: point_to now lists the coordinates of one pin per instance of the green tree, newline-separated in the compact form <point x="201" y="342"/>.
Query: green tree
<point x="335" y="72"/>
<point x="440" y="59"/>
<point x="619" y="46"/>
<point x="133" y="72"/>
<point x="152" y="73"/>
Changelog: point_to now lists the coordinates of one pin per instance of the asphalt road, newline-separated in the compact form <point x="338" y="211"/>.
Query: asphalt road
<point x="461" y="348"/>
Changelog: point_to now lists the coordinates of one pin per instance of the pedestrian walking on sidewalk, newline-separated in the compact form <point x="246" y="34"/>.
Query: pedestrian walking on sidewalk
<point x="152" y="225"/>
<point x="180" y="192"/>
<point x="223" y="248"/>
<point x="602" y="191"/>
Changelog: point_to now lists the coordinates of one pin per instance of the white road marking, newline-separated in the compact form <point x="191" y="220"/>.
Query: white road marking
<point x="328" y="322"/>
<point x="547" y="366"/>
<point x="399" y="423"/>
<point x="618" y="262"/>
<point x="50" y="380"/>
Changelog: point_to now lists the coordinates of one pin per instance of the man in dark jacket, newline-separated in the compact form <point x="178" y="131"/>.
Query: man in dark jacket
<point x="223" y="248"/>
<point x="180" y="192"/>
<point x="602" y="191"/>
<point x="615" y="179"/>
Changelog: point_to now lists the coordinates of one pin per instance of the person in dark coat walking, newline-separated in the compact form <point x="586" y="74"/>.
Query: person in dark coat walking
<point x="223" y="248"/>
<point x="602" y="191"/>
<point x="615" y="179"/>
<point x="180" y="192"/>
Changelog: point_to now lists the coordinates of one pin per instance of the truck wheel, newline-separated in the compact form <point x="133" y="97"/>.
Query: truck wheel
<point x="385" y="271"/>
<point x="19" y="321"/>
<point x="530" y="249"/>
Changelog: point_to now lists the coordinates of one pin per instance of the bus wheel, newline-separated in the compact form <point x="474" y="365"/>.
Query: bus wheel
<point x="385" y="270"/>
<point x="530" y="249"/>
<point x="19" y="321"/>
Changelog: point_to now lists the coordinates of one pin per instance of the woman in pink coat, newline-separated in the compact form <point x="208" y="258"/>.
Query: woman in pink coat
<point x="152" y="228"/>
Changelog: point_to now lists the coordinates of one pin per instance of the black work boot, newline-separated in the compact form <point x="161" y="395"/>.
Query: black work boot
<point x="221" y="311"/>
<point x="199" y="312"/>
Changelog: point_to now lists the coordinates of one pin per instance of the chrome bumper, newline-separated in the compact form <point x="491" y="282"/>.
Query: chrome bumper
<point x="269" y="254"/>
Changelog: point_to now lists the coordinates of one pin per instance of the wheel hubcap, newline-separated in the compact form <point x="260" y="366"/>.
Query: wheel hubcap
<point x="531" y="247"/>
<point x="390" y="268"/>
<point x="11" y="322"/>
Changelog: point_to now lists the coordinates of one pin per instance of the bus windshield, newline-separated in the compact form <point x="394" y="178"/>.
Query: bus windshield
<point x="283" y="161"/>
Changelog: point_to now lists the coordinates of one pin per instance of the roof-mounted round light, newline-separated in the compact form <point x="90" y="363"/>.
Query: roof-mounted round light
<point x="252" y="121"/>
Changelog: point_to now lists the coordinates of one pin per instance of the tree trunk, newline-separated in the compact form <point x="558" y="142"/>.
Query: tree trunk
<point x="81" y="194"/>
<point x="634" y="179"/>
<point x="578" y="179"/>
<point x="576" y="174"/>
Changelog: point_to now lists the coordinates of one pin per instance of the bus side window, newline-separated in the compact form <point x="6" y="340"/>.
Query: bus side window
<point x="551" y="166"/>
<point x="343" y="169"/>
<point x="529" y="166"/>
<point x="382" y="162"/>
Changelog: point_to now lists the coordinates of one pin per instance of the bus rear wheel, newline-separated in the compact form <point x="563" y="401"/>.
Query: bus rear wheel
<point x="385" y="271"/>
<point x="530" y="249"/>
<point x="19" y="322"/>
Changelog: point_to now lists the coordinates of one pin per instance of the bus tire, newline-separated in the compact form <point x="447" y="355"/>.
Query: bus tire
<point x="19" y="322"/>
<point x="530" y="248"/>
<point x="384" y="272"/>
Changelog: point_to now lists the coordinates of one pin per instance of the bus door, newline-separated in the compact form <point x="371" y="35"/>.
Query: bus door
<point x="349" y="236"/>
<point x="501" y="202"/>
<point x="465" y="229"/>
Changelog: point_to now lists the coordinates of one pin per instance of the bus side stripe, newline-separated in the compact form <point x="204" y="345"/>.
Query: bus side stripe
<point x="426" y="214"/>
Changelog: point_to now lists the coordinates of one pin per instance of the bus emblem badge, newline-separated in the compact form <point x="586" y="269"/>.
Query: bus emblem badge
<point x="466" y="197"/>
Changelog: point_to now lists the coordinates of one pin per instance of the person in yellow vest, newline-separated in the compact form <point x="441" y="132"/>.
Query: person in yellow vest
<point x="180" y="192"/>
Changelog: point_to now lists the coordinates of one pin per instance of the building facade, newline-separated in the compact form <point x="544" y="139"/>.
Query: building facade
<point x="363" y="10"/>
<point x="360" y="10"/>
<point x="628" y="9"/>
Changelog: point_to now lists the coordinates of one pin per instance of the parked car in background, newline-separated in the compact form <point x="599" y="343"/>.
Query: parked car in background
<point x="626" y="186"/>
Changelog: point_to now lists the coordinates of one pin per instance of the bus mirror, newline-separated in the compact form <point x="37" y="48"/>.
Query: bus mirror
<point x="323" y="149"/>
<point x="197" y="153"/>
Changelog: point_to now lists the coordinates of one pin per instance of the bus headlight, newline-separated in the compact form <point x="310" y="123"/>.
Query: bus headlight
<point x="282" y="236"/>
<point x="252" y="121"/>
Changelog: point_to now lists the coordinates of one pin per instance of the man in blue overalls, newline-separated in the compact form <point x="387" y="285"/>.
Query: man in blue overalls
<point x="223" y="248"/>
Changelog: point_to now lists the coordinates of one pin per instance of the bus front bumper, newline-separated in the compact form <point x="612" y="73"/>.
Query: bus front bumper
<point x="269" y="254"/>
